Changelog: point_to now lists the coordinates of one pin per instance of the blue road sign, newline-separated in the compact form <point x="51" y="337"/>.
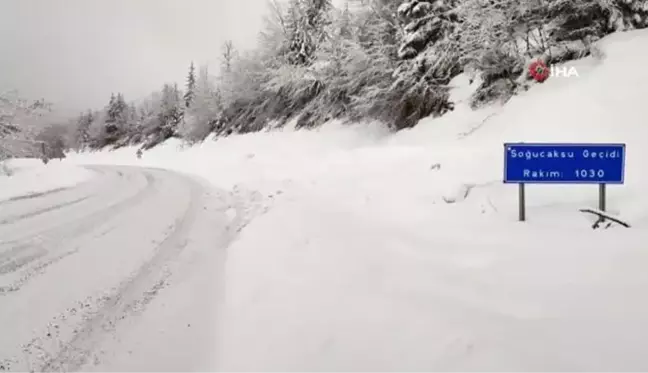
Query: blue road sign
<point x="530" y="163"/>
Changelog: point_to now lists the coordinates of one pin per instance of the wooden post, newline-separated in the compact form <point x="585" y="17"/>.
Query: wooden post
<point x="521" y="203"/>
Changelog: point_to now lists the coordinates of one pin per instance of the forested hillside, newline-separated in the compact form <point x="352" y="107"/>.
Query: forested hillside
<point x="385" y="60"/>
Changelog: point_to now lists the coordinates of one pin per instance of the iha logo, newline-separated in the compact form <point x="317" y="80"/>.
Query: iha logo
<point x="540" y="72"/>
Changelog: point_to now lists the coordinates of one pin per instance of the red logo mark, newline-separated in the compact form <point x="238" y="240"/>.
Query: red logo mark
<point x="539" y="71"/>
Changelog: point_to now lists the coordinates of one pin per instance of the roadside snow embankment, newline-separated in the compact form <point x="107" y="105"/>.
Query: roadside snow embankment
<point x="402" y="252"/>
<point x="21" y="177"/>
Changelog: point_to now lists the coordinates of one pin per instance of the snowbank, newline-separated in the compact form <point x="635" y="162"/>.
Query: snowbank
<point x="28" y="176"/>
<point x="402" y="252"/>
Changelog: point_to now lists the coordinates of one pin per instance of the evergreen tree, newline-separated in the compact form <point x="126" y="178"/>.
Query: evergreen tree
<point x="191" y="86"/>
<point x="132" y="113"/>
<point x="206" y="109"/>
<point x="298" y="49"/>
<point x="116" y="119"/>
<point x="305" y="23"/>
<point x="171" y="113"/>
<point x="228" y="54"/>
<point x="121" y="109"/>
<point x="110" y="110"/>
<point x="83" y="129"/>
<point x="111" y="115"/>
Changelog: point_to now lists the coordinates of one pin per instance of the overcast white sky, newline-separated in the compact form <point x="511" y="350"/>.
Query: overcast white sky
<point x="76" y="52"/>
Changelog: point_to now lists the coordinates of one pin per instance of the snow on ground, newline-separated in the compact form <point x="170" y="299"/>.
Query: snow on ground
<point x="20" y="177"/>
<point x="402" y="252"/>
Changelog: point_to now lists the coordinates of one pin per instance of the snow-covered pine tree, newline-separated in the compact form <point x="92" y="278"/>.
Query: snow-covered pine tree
<point x="305" y="22"/>
<point x="122" y="109"/>
<point x="170" y="111"/>
<point x="111" y="115"/>
<point x="111" y="110"/>
<point x="201" y="118"/>
<point x="426" y="23"/>
<point x="226" y="84"/>
<point x="298" y="50"/>
<point x="191" y="86"/>
<point x="82" y="135"/>
<point x="133" y="117"/>
<point x="228" y="54"/>
<point x="332" y="67"/>
<point x="206" y="90"/>
<point x="116" y="120"/>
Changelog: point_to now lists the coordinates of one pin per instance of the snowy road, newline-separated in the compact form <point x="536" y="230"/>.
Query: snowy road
<point x="122" y="272"/>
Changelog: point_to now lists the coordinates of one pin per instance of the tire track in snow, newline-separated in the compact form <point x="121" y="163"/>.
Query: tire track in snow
<point x="34" y="195"/>
<point x="26" y="253"/>
<point x="38" y="269"/>
<point x="86" y="221"/>
<point x="31" y="214"/>
<point x="83" y="218"/>
<point x="128" y="299"/>
<point x="29" y="196"/>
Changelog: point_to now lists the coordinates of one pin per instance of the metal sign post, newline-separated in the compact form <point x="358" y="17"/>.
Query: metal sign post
<point x="522" y="203"/>
<point x="549" y="163"/>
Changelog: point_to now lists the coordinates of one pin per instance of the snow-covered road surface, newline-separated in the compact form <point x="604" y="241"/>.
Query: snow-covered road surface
<point x="122" y="272"/>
